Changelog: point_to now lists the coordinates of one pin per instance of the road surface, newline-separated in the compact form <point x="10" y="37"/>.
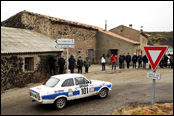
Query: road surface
<point x="130" y="88"/>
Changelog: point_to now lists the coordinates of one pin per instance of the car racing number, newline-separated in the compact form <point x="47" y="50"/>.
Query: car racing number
<point x="84" y="90"/>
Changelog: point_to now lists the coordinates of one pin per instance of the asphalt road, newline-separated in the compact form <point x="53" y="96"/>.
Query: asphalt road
<point x="126" y="91"/>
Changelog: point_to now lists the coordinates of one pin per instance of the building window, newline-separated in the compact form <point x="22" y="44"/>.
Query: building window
<point x="29" y="63"/>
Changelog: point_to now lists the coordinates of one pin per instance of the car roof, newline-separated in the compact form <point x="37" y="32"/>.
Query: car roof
<point x="66" y="76"/>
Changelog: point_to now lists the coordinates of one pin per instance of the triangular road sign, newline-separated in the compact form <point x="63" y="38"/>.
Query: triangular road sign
<point x="155" y="54"/>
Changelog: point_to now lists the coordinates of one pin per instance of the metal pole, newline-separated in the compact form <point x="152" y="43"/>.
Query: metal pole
<point x="67" y="60"/>
<point x="153" y="91"/>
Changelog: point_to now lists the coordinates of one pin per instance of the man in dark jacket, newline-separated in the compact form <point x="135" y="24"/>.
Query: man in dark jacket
<point x="52" y="61"/>
<point x="165" y="60"/>
<point x="71" y="61"/>
<point x="61" y="63"/>
<point x="128" y="59"/>
<point x="121" y="59"/>
<point x="145" y="60"/>
<point x="140" y="59"/>
<point x="80" y="64"/>
<point x="124" y="58"/>
<point x="134" y="60"/>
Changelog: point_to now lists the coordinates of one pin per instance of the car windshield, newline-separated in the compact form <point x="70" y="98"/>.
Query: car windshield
<point x="52" y="82"/>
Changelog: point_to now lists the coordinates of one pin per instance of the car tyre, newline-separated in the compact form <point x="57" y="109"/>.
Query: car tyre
<point x="103" y="93"/>
<point x="60" y="103"/>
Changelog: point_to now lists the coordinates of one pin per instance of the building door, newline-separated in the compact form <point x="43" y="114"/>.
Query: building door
<point x="114" y="51"/>
<point x="91" y="55"/>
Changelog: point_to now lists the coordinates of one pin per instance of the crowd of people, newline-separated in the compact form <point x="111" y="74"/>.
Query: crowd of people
<point x="72" y="64"/>
<point x="141" y="60"/>
<point x="136" y="59"/>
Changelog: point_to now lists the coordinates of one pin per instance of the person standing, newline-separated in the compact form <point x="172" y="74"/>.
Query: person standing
<point x="52" y="61"/>
<point x="71" y="61"/>
<point x="134" y="60"/>
<point x="124" y="58"/>
<point x="87" y="64"/>
<point x="165" y="60"/>
<point x="140" y="58"/>
<point x="171" y="61"/>
<point x="61" y="63"/>
<point x="80" y="64"/>
<point x="128" y="59"/>
<point x="145" y="60"/>
<point x="103" y="61"/>
<point x="121" y="59"/>
<point x="114" y="60"/>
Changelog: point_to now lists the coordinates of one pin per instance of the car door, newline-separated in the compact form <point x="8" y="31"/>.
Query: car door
<point x="69" y="88"/>
<point x="82" y="85"/>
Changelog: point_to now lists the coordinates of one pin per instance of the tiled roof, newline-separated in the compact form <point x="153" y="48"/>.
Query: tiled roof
<point x="15" y="40"/>
<point x="118" y="36"/>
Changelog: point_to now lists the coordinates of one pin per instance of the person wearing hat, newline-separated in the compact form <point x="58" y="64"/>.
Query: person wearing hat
<point x="87" y="64"/>
<point x="71" y="61"/>
<point x="80" y="64"/>
<point x="128" y="59"/>
<point x="61" y="63"/>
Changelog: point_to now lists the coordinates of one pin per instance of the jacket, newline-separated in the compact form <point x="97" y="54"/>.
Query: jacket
<point x="71" y="62"/>
<point x="114" y="58"/>
<point x="61" y="62"/>
<point x="87" y="63"/>
<point x="128" y="58"/>
<point x="80" y="63"/>
<point x="134" y="58"/>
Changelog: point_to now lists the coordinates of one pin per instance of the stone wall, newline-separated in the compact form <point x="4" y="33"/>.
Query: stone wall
<point x="13" y="74"/>
<point x="84" y="35"/>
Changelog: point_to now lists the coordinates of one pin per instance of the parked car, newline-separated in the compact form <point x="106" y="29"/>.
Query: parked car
<point x="61" y="88"/>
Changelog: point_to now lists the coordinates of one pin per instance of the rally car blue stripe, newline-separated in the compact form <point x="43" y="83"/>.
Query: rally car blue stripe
<point x="53" y="96"/>
<point x="97" y="88"/>
<point x="33" y="91"/>
<point x="108" y="86"/>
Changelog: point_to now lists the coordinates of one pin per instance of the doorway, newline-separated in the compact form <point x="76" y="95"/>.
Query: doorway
<point x="91" y="55"/>
<point x="114" y="51"/>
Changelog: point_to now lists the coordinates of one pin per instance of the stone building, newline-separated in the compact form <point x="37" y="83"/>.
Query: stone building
<point x="30" y="40"/>
<point x="132" y="34"/>
<point x="24" y="57"/>
<point x="87" y="37"/>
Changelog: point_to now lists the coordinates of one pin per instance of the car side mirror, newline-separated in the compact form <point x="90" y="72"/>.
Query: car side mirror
<point x="90" y="81"/>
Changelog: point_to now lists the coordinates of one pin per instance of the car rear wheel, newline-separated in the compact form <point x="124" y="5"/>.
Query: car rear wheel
<point x="60" y="103"/>
<point x="103" y="93"/>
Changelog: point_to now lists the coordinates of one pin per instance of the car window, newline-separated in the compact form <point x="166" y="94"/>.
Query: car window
<point x="52" y="82"/>
<point x="68" y="82"/>
<point x="81" y="80"/>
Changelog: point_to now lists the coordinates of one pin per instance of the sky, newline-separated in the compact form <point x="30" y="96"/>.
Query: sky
<point x="154" y="16"/>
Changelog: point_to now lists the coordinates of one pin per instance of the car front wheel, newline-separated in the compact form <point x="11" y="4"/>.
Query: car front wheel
<point x="103" y="93"/>
<point x="60" y="103"/>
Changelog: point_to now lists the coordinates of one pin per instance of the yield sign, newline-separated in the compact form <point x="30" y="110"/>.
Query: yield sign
<point x="155" y="54"/>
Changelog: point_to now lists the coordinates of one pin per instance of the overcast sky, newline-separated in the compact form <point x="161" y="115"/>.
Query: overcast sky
<point x="153" y="16"/>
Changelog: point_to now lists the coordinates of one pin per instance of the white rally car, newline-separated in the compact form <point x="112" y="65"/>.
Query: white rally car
<point x="61" y="88"/>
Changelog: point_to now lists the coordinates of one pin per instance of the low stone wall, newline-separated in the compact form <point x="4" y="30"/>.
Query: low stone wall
<point x="12" y="74"/>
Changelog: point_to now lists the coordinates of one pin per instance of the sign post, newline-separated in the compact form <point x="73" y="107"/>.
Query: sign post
<point x="65" y="43"/>
<point x="154" y="55"/>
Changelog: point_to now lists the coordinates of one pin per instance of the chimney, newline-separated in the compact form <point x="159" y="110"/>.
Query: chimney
<point x="130" y="25"/>
<point x="105" y="25"/>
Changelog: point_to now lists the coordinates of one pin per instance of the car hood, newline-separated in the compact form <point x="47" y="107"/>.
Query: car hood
<point x="100" y="82"/>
